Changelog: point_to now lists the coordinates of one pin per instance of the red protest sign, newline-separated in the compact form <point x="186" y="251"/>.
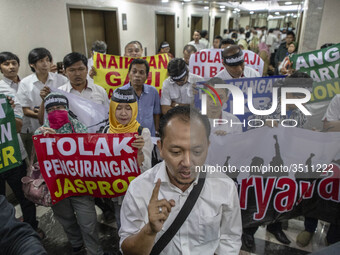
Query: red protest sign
<point x="99" y="165"/>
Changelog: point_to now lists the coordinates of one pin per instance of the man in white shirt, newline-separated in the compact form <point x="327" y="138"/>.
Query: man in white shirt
<point x="177" y="88"/>
<point x="196" y="42"/>
<point x="272" y="41"/>
<point x="205" y="39"/>
<point x="233" y="61"/>
<point x="154" y="199"/>
<point x="40" y="60"/>
<point x="331" y="120"/>
<point x="75" y="65"/>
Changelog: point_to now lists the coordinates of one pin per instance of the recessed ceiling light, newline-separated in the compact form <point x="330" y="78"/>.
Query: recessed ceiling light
<point x="253" y="0"/>
<point x="251" y="12"/>
<point x="187" y="0"/>
<point x="165" y="1"/>
<point x="277" y="13"/>
<point x="288" y="3"/>
<point x="222" y="7"/>
<point x="206" y="7"/>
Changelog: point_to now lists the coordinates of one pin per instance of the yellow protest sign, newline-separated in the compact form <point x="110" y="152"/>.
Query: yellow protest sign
<point x="112" y="71"/>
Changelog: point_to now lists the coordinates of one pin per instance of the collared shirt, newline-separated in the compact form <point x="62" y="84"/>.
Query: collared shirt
<point x="333" y="109"/>
<point x="199" y="46"/>
<point x="148" y="105"/>
<point x="213" y="226"/>
<point x="9" y="88"/>
<point x="248" y="73"/>
<point x="180" y="94"/>
<point x="29" y="92"/>
<point x="231" y="118"/>
<point x="92" y="92"/>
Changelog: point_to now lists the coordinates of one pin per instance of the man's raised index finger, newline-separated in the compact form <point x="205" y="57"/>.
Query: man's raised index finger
<point x="155" y="191"/>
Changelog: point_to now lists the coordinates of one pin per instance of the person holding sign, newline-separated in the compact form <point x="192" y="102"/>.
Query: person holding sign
<point x="177" y="89"/>
<point x="233" y="61"/>
<point x="211" y="221"/>
<point x="9" y="66"/>
<point x="122" y="115"/>
<point x="77" y="214"/>
<point x="133" y="49"/>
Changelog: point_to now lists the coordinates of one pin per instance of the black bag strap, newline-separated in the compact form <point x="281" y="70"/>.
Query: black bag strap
<point x="181" y="217"/>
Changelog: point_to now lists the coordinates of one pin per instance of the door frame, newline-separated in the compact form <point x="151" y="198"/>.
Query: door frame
<point x="220" y="17"/>
<point x="175" y="25"/>
<point x="87" y="7"/>
<point x="197" y="16"/>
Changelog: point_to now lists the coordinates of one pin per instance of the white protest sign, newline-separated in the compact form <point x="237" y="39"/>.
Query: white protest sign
<point x="208" y="63"/>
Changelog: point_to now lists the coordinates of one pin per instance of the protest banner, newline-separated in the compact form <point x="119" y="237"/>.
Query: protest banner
<point x="321" y="64"/>
<point x="112" y="71"/>
<point x="262" y="88"/>
<point x="101" y="165"/>
<point x="10" y="155"/>
<point x="281" y="172"/>
<point x="208" y="63"/>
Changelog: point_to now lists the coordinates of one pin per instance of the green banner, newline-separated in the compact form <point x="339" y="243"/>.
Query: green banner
<point x="10" y="155"/>
<point x="321" y="65"/>
<point x="325" y="90"/>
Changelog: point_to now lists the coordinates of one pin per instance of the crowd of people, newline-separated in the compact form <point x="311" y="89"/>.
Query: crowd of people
<point x="155" y="198"/>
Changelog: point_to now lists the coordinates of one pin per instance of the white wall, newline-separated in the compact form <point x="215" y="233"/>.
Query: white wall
<point x="329" y="29"/>
<point x="244" y="21"/>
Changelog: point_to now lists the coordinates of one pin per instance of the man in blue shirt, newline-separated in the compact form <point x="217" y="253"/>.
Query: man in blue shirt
<point x="147" y="96"/>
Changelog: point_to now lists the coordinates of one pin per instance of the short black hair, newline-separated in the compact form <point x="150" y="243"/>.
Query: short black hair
<point x="176" y="67"/>
<point x="326" y="45"/>
<point x="291" y="33"/>
<point x="36" y="54"/>
<point x="189" y="48"/>
<point x="5" y="55"/>
<point x="241" y="30"/>
<point x="185" y="113"/>
<point x="227" y="41"/>
<point x="204" y="33"/>
<point x="72" y="58"/>
<point x="139" y="61"/>
<point x="218" y="37"/>
<point x="234" y="35"/>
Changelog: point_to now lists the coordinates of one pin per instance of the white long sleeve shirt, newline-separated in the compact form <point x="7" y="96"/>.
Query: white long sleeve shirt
<point x="213" y="226"/>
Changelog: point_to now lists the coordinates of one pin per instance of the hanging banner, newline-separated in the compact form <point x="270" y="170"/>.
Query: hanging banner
<point x="262" y="88"/>
<point x="208" y="63"/>
<point x="321" y="65"/>
<point x="281" y="172"/>
<point x="100" y="165"/>
<point x="112" y="71"/>
<point x="10" y="155"/>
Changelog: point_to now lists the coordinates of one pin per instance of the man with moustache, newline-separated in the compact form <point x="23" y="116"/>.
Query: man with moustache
<point x="154" y="199"/>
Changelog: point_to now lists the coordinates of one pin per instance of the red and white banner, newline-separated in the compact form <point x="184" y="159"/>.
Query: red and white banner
<point x="99" y="165"/>
<point x="208" y="63"/>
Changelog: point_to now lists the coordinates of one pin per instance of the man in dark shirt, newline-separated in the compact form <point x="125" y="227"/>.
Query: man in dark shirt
<point x="282" y="51"/>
